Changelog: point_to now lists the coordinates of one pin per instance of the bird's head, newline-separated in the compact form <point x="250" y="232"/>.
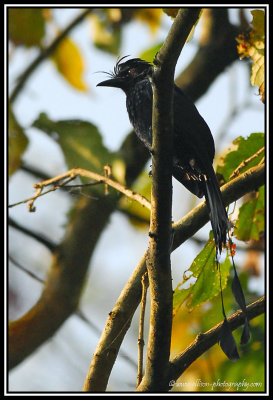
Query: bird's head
<point x="127" y="73"/>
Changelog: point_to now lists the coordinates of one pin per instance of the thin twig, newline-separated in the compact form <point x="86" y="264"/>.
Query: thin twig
<point x="140" y="342"/>
<point x="72" y="174"/>
<point x="26" y="271"/>
<point x="39" y="193"/>
<point x="37" y="236"/>
<point x="246" y="162"/>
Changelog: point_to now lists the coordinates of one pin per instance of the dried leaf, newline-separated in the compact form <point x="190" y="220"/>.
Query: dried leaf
<point x="253" y="45"/>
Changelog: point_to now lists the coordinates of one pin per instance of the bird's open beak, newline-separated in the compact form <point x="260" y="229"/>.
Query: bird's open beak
<point x="114" y="82"/>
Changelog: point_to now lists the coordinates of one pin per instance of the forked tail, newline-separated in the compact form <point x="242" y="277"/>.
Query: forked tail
<point x="218" y="215"/>
<point x="220" y="226"/>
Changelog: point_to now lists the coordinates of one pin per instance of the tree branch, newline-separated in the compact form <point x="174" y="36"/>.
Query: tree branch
<point x="158" y="261"/>
<point x="117" y="324"/>
<point x="140" y="340"/>
<point x="64" y="282"/>
<point x="187" y="226"/>
<point x="128" y="301"/>
<point x="72" y="174"/>
<point x="204" y="341"/>
<point x="134" y="288"/>
<point x="217" y="49"/>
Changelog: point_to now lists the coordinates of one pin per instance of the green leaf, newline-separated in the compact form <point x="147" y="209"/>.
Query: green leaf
<point x="149" y="54"/>
<point x="244" y="149"/>
<point x="26" y="26"/>
<point x="250" y="224"/>
<point x="17" y="143"/>
<point x="80" y="141"/>
<point x="207" y="284"/>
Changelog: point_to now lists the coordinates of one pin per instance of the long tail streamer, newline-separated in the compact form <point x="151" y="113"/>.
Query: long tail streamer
<point x="226" y="338"/>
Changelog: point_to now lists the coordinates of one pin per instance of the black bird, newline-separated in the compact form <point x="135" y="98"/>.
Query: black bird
<point x="192" y="162"/>
<point x="193" y="142"/>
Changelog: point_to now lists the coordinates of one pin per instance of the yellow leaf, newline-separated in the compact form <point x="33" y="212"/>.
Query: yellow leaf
<point x="114" y="14"/>
<point x="101" y="36"/>
<point x="106" y="34"/>
<point x="70" y="64"/>
<point x="150" y="16"/>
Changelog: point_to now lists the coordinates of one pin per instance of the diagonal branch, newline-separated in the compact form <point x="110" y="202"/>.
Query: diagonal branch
<point x="204" y="341"/>
<point x="65" y="279"/>
<point x="119" y="319"/>
<point x="217" y="49"/>
<point x="187" y="226"/>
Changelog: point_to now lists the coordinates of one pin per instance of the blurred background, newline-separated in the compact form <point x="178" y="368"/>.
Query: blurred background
<point x="63" y="86"/>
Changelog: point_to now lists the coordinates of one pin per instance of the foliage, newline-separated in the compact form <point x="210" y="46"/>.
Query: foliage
<point x="207" y="284"/>
<point x="27" y="26"/>
<point x="70" y="64"/>
<point x="80" y="141"/>
<point x="253" y="46"/>
<point x="106" y="30"/>
<point x="17" y="143"/>
<point x="213" y="372"/>
<point x="248" y="153"/>
<point x="249" y="225"/>
<point x="242" y="149"/>
<point x="251" y="218"/>
<point x="150" y="16"/>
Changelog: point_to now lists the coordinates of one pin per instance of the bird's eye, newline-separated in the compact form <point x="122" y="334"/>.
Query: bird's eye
<point x="131" y="71"/>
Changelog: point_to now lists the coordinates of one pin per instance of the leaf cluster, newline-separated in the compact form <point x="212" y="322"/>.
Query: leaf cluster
<point x="253" y="45"/>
